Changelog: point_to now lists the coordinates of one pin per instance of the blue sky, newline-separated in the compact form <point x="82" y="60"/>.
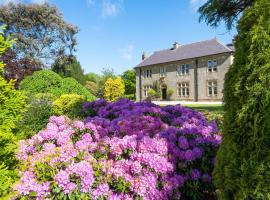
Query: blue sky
<point x="114" y="33"/>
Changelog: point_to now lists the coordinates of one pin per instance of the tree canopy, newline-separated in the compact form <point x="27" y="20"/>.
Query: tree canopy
<point x="41" y="31"/>
<point x="129" y="78"/>
<point x="213" y="12"/>
<point x="69" y="66"/>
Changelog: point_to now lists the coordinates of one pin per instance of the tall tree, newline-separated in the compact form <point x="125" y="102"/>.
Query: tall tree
<point x="40" y="30"/>
<point x="17" y="68"/>
<point x="215" y="11"/>
<point x="69" y="66"/>
<point x="243" y="160"/>
<point x="129" y="78"/>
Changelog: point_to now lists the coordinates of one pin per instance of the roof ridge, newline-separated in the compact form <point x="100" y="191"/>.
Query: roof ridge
<point x="223" y="44"/>
<point x="181" y="45"/>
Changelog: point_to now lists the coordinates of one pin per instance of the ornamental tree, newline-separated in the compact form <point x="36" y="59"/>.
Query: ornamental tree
<point x="114" y="89"/>
<point x="243" y="162"/>
<point x="12" y="105"/>
<point x="41" y="33"/>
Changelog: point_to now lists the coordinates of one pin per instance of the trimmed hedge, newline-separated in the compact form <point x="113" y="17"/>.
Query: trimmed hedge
<point x="47" y="81"/>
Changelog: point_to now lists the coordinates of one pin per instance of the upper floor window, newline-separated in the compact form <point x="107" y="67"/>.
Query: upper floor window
<point x="183" y="69"/>
<point x="146" y="89"/>
<point x="183" y="89"/>
<point x="147" y="73"/>
<point x="212" y="88"/>
<point x="212" y="65"/>
<point x="162" y="72"/>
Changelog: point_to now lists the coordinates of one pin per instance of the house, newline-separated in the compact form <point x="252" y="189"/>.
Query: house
<point x="192" y="72"/>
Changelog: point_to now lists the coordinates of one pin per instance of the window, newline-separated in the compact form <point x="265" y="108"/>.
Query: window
<point x="146" y="89"/>
<point x="147" y="73"/>
<point x="183" y="69"/>
<point x="183" y="89"/>
<point x="162" y="72"/>
<point x="212" y="66"/>
<point x="212" y="88"/>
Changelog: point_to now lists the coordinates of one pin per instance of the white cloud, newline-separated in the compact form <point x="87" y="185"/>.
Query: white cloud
<point x="40" y="1"/>
<point x="110" y="9"/>
<point x="195" y="4"/>
<point x="127" y="53"/>
<point x="5" y="2"/>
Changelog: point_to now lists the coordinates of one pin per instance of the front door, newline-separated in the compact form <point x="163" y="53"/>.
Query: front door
<point x="164" y="93"/>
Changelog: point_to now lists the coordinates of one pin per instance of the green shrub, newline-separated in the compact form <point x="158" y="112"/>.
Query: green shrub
<point x="92" y="87"/>
<point x="243" y="161"/>
<point x="130" y="96"/>
<point x="68" y="104"/>
<point x="12" y="105"/>
<point x="47" y="81"/>
<point x="37" y="115"/>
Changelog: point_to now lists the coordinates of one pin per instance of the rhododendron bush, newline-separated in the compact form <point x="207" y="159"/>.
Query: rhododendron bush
<point x="122" y="150"/>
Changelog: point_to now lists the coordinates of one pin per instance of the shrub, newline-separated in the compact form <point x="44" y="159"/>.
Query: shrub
<point x="243" y="162"/>
<point x="92" y="87"/>
<point x="47" y="81"/>
<point x="37" y="115"/>
<point x="170" y="93"/>
<point x="114" y="89"/>
<point x="124" y="150"/>
<point x="68" y="104"/>
<point x="12" y="105"/>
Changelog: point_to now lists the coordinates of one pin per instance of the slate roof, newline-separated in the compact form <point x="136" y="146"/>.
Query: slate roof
<point x="194" y="50"/>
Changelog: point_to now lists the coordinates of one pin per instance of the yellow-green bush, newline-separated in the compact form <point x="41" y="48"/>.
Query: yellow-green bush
<point x="114" y="89"/>
<point x="68" y="104"/>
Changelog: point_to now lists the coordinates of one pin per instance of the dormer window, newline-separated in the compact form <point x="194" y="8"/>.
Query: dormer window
<point x="212" y="65"/>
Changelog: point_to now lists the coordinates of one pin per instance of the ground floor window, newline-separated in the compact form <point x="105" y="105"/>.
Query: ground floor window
<point x="212" y="88"/>
<point x="146" y="89"/>
<point x="183" y="89"/>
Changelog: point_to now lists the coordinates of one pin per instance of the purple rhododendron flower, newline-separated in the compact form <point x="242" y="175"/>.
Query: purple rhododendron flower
<point x="147" y="151"/>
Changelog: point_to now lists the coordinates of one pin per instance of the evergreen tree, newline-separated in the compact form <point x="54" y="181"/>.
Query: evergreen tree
<point x="243" y="162"/>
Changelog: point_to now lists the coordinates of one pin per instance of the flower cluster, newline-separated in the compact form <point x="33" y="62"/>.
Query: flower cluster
<point x="123" y="150"/>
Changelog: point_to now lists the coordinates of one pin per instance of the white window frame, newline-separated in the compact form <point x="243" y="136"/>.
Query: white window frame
<point x="183" y="89"/>
<point x="146" y="89"/>
<point x="147" y="73"/>
<point x="162" y="72"/>
<point x="212" y="88"/>
<point x="183" y="69"/>
<point x="212" y="65"/>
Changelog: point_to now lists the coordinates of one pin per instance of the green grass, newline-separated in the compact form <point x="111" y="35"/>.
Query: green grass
<point x="206" y="107"/>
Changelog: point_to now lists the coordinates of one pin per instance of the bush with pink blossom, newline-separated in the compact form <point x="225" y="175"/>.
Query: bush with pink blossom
<point x="123" y="150"/>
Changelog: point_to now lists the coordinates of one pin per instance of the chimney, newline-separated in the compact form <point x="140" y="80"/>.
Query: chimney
<point x="175" y="45"/>
<point x="144" y="56"/>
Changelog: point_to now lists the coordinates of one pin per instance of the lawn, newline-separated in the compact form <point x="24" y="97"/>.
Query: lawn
<point x="206" y="107"/>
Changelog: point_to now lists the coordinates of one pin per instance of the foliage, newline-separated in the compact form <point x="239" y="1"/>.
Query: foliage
<point x="17" y="68"/>
<point x="92" y="77"/>
<point x="114" y="89"/>
<point x="12" y="105"/>
<point x="170" y="93"/>
<point x="215" y="11"/>
<point x="41" y="32"/>
<point x="92" y="87"/>
<point x="152" y="94"/>
<point x="37" y="115"/>
<point x="47" y="81"/>
<point x="243" y="161"/>
<point x="124" y="150"/>
<point x="69" y="66"/>
<point x="106" y="74"/>
<point x="129" y="78"/>
<point x="69" y="105"/>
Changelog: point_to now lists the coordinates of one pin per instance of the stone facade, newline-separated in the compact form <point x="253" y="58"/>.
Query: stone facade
<point x="202" y="78"/>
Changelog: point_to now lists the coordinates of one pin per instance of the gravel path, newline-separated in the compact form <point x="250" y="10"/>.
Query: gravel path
<point x="187" y="102"/>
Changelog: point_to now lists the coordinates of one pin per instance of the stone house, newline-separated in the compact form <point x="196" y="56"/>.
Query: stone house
<point x="192" y="72"/>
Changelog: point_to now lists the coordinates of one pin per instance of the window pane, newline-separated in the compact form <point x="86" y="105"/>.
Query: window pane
<point x="183" y="70"/>
<point x="187" y="91"/>
<point x="210" y="91"/>
<point x="183" y="92"/>
<point x="187" y="69"/>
